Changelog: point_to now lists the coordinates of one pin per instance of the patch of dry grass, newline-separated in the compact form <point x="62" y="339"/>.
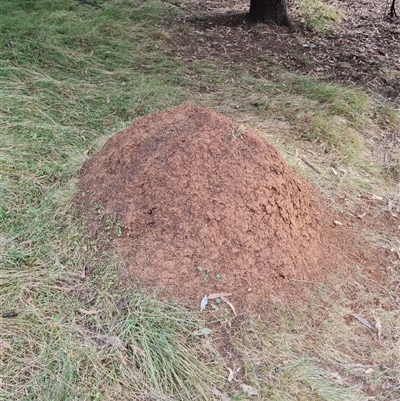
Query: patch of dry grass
<point x="318" y="350"/>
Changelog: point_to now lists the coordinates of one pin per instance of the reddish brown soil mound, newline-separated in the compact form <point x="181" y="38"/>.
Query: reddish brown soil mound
<point x="206" y="206"/>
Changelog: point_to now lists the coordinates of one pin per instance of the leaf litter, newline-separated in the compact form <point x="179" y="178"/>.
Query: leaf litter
<point x="249" y="390"/>
<point x="113" y="341"/>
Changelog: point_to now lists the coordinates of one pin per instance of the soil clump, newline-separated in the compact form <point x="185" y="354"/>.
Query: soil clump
<point x="198" y="204"/>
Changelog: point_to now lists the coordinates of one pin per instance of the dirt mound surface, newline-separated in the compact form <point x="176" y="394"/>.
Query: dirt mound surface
<point x="198" y="204"/>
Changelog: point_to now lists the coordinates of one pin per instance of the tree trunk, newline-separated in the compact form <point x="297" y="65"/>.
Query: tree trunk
<point x="269" y="11"/>
<point x="393" y="9"/>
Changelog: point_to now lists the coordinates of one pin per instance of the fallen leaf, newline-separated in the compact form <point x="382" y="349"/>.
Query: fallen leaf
<point x="231" y="375"/>
<point x="202" y="332"/>
<point x="219" y="295"/>
<point x="223" y="396"/>
<point x="249" y="390"/>
<point x="6" y="344"/>
<point x="378" y="326"/>
<point x="226" y="300"/>
<point x="369" y="371"/>
<point x="89" y="312"/>
<point x="114" y="341"/>
<point x="364" y="322"/>
<point x="337" y="223"/>
<point x="203" y="303"/>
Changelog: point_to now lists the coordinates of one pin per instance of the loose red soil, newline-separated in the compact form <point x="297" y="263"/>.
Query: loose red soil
<point x="197" y="204"/>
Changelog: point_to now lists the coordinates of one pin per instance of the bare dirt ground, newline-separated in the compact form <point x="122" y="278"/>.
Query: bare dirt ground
<point x="364" y="48"/>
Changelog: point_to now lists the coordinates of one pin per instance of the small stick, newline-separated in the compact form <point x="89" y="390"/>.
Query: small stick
<point x="9" y="314"/>
<point x="310" y="165"/>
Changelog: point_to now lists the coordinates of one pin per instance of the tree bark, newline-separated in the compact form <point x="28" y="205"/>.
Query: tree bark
<point x="269" y="11"/>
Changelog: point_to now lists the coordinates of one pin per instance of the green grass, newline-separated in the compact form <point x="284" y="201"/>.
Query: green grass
<point x="331" y="114"/>
<point x="70" y="76"/>
<point x="318" y="16"/>
<point x="327" y="113"/>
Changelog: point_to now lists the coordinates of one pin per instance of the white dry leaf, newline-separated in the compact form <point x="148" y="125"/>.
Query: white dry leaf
<point x="114" y="341"/>
<point x="369" y="371"/>
<point x="6" y="344"/>
<point x="203" y="303"/>
<point x="249" y="390"/>
<point x="226" y="300"/>
<point x="202" y="332"/>
<point x="219" y="295"/>
<point x="338" y="223"/>
<point x="231" y="375"/>
<point x="89" y="312"/>
<point x="378" y="326"/>
<point x="363" y="321"/>
<point x="220" y="394"/>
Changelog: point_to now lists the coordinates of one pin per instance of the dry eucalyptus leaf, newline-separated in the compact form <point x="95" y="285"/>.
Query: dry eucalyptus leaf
<point x="114" y="341"/>
<point x="219" y="295"/>
<point x="226" y="300"/>
<point x="88" y="312"/>
<point x="220" y="394"/>
<point x="378" y="326"/>
<point x="202" y="332"/>
<point x="203" y="303"/>
<point x="363" y="321"/>
<point x="249" y="390"/>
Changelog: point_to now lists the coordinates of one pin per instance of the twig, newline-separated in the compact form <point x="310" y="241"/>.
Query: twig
<point x="9" y="314"/>
<point x="310" y="165"/>
<point x="393" y="10"/>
